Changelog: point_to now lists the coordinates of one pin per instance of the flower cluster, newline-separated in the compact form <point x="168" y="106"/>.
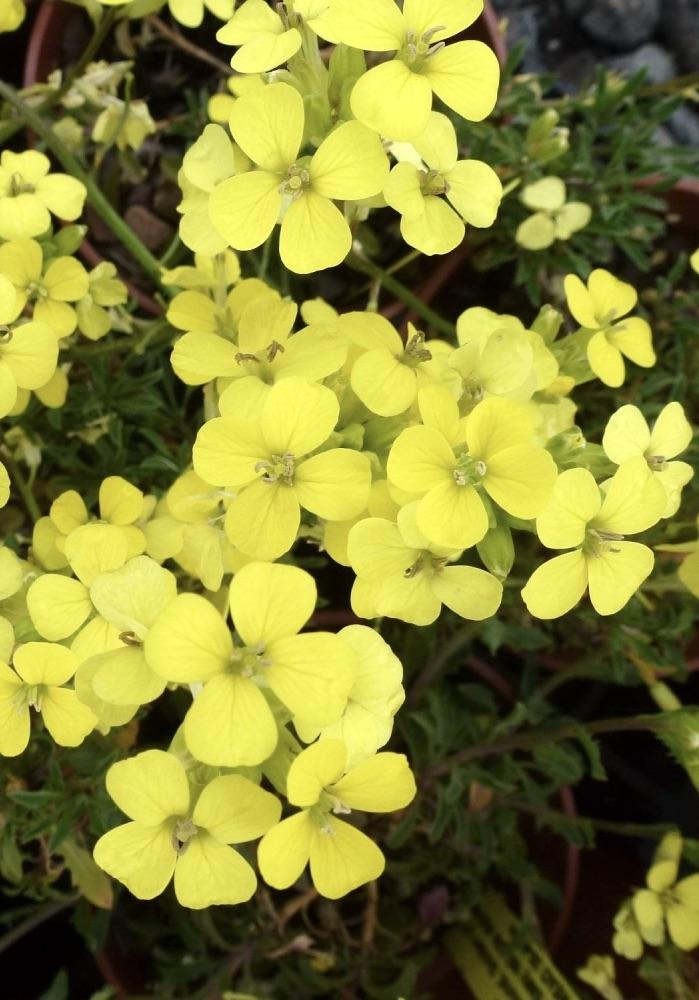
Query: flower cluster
<point x="426" y="465"/>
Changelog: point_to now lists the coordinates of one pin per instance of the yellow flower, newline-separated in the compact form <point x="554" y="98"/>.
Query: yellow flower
<point x="104" y="291"/>
<point x="498" y="357"/>
<point x="172" y="833"/>
<point x="29" y="195"/>
<point x="401" y="574"/>
<point x="12" y="15"/>
<point x="450" y="466"/>
<point x="554" y="218"/>
<point x="349" y="164"/>
<point x="627" y="435"/>
<point x="375" y="697"/>
<point x="50" y="287"/>
<point x="261" y="455"/>
<point x="41" y="671"/>
<point x="694" y="261"/>
<point x="266" y="352"/>
<point x="472" y="189"/>
<point x="230" y="721"/>
<point x="341" y="856"/>
<point x="269" y="37"/>
<point x="127" y="125"/>
<point x="599" y="308"/>
<point x="130" y="599"/>
<point x="387" y="377"/>
<point x="220" y="105"/>
<point x="594" y="524"/>
<point x="28" y="356"/>
<point x="59" y="605"/>
<point x="4" y="486"/>
<point x="211" y="159"/>
<point x="395" y="98"/>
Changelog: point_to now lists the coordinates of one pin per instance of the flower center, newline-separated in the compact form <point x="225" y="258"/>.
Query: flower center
<point x="432" y="182"/>
<point x="277" y="467"/>
<point x="469" y="471"/>
<point x="418" y="48"/>
<point x="297" y="180"/>
<point x="658" y="463"/>
<point x="18" y="186"/>
<point x="597" y="542"/>
<point x="246" y="661"/>
<point x="425" y="563"/>
<point x="182" y="833"/>
<point x="415" y="352"/>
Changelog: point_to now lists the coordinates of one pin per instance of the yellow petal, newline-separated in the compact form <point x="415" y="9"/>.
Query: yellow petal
<point x="349" y="164"/>
<point x="556" y="586"/>
<point x="44" y="663"/>
<point x="496" y="424"/>
<point x="64" y="196"/>
<point x="342" y="858"/>
<point x="131" y="598"/>
<point x="210" y="873"/>
<point x="376" y="548"/>
<point x="315" y="234"/>
<point x="626" y="434"/>
<point x="298" y="416"/>
<point x="269" y="601"/>
<point x="315" y="768"/>
<point x="124" y="678"/>
<point x="189" y="641"/>
<point x="574" y="503"/>
<point x="683" y="925"/>
<point x="58" y="606"/>
<point x="437" y="230"/>
<point x="466" y="76"/>
<point x="31" y="355"/>
<point x="671" y="433"/>
<point x="284" y="850"/>
<point x="475" y="191"/>
<point x="571" y="218"/>
<point x="141" y="857"/>
<point x="545" y="195"/>
<point x="14" y="718"/>
<point x="633" y="337"/>
<point x="119" y="501"/>
<point x="66" y="280"/>
<point x="230" y="724"/>
<point x="605" y="360"/>
<point x="580" y="302"/>
<point x="96" y="548"/>
<point x="263" y="520"/>
<point x="420" y="459"/>
<point x="268" y="124"/>
<point x="266" y="51"/>
<point x="234" y="810"/>
<point x="334" y="484"/>
<point x="244" y="208"/>
<point x="312" y="674"/>
<point x="452" y="15"/>
<point x="403" y="192"/>
<point x="634" y="500"/>
<point x="227" y="449"/>
<point x="616" y="574"/>
<point x="610" y="295"/>
<point x="537" y="232"/>
<point x="210" y="160"/>
<point x="382" y="783"/>
<point x="469" y="592"/>
<point x="149" y="787"/>
<point x="65" y="716"/>
<point x="392" y="100"/>
<point x="452" y="516"/>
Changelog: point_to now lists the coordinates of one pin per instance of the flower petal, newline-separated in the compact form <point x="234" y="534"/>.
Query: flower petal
<point x="270" y="601"/>
<point x="469" y="592"/>
<point x="392" y="100"/>
<point x="556" y="586"/>
<point x="230" y="724"/>
<point x="466" y="76"/>
<point x="210" y="873"/>
<point x="245" y="208"/>
<point x="315" y="234"/>
<point x="342" y="858"/>
<point x="141" y="857"/>
<point x="234" y="810"/>
<point x="616" y="574"/>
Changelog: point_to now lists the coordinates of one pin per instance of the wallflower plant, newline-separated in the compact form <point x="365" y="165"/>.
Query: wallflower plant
<point x="430" y="458"/>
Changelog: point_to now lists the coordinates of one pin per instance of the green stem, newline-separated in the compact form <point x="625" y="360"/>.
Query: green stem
<point x="650" y="830"/>
<point x="22" y="485"/>
<point x="555" y="734"/>
<point x="153" y="337"/>
<point x="365" y="266"/>
<point x="91" y="50"/>
<point x="95" y="197"/>
<point x="36" y="920"/>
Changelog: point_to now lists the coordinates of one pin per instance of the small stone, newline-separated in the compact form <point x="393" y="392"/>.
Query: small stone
<point x="622" y="24"/>
<point x="148" y="227"/>
<point x="679" y="29"/>
<point x="684" y="126"/>
<point x="657" y="62"/>
<point x="576" y="71"/>
<point x="523" y="26"/>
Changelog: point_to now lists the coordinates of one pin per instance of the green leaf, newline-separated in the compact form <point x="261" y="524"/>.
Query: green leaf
<point x="86" y="875"/>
